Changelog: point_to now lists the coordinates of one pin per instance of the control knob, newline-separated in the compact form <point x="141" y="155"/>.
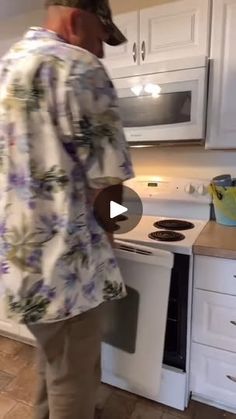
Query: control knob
<point x="202" y="190"/>
<point x="189" y="189"/>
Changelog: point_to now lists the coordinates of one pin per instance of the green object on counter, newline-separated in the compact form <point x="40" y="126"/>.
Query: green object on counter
<point x="224" y="200"/>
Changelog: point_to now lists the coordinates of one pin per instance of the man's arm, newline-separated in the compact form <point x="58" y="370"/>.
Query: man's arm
<point x="99" y="137"/>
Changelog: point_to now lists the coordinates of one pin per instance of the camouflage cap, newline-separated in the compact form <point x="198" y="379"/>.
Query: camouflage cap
<point x="99" y="7"/>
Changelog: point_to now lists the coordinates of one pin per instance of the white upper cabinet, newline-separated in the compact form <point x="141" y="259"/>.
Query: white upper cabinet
<point x="127" y="54"/>
<point x="222" y="107"/>
<point x="175" y="30"/>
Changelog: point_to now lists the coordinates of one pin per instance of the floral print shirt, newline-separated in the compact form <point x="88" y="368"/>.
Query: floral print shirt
<point x="60" y="136"/>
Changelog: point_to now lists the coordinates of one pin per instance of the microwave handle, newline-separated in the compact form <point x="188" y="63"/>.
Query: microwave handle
<point x="135" y="52"/>
<point x="143" y="50"/>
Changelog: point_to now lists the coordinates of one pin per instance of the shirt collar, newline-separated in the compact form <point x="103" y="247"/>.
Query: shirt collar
<point x="35" y="33"/>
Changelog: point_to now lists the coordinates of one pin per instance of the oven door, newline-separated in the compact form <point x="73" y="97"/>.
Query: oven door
<point x="134" y="328"/>
<point x="167" y="106"/>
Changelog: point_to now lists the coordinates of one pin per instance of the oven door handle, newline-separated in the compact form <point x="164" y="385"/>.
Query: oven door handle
<point x="138" y="252"/>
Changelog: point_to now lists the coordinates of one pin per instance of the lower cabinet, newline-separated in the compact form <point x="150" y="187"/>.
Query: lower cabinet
<point x="25" y="333"/>
<point x="213" y="353"/>
<point x="213" y="374"/>
<point x="7" y="326"/>
<point x="13" y="329"/>
<point x="214" y="320"/>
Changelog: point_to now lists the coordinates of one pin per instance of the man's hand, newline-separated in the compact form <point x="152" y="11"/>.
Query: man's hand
<point x="108" y="196"/>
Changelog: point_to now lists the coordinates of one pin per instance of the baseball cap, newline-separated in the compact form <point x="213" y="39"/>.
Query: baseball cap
<point x="100" y="8"/>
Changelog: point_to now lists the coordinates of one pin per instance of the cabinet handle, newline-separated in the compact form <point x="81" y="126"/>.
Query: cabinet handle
<point x="233" y="323"/>
<point x="143" y="51"/>
<point x="231" y="378"/>
<point x="135" y="52"/>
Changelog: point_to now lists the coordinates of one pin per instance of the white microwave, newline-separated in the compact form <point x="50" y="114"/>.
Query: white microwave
<point x="167" y="106"/>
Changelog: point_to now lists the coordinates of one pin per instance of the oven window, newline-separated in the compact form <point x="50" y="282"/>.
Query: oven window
<point x="166" y="109"/>
<point x="120" y="322"/>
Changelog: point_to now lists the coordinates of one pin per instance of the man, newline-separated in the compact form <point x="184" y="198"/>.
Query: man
<point x="61" y="142"/>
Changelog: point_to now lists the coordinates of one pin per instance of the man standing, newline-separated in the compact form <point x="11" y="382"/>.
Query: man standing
<point x="61" y="141"/>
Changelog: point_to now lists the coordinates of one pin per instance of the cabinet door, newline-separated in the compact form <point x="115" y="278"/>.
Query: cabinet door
<point x="214" y="320"/>
<point x="215" y="274"/>
<point x="221" y="120"/>
<point x="175" y="30"/>
<point x="26" y="334"/>
<point x="7" y="326"/>
<point x="213" y="375"/>
<point x="127" y="54"/>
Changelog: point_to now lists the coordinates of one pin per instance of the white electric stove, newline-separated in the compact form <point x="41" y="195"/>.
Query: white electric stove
<point x="147" y="349"/>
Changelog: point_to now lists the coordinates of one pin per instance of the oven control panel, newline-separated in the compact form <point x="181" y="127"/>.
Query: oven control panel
<point x="171" y="188"/>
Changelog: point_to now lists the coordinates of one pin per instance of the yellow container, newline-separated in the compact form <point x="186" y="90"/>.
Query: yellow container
<point x="224" y="200"/>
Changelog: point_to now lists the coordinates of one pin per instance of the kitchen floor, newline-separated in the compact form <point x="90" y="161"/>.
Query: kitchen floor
<point x="18" y="383"/>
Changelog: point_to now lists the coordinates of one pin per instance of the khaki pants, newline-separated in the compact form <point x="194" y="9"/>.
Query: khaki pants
<point x="69" y="367"/>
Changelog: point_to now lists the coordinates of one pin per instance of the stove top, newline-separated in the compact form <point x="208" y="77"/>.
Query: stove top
<point x="175" y="211"/>
<point x="177" y="242"/>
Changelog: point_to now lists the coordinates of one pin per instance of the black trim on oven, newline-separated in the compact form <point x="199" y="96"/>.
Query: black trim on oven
<point x="176" y="331"/>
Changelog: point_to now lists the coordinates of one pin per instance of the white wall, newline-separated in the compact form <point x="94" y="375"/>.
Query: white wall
<point x="12" y="29"/>
<point x="10" y="8"/>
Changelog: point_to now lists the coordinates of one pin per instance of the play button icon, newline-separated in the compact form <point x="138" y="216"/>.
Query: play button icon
<point x="118" y="210"/>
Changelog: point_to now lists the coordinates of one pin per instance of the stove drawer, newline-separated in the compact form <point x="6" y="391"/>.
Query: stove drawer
<point x="214" y="320"/>
<point x="215" y="274"/>
<point x="213" y="375"/>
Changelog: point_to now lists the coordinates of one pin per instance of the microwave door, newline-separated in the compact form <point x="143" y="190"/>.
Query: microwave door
<point x="168" y="109"/>
<point x="134" y="328"/>
<point x="175" y="111"/>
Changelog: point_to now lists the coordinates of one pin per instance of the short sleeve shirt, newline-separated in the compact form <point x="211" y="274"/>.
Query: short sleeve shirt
<point x="60" y="136"/>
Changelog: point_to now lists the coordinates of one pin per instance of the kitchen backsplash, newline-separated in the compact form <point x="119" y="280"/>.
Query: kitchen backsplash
<point x="188" y="161"/>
